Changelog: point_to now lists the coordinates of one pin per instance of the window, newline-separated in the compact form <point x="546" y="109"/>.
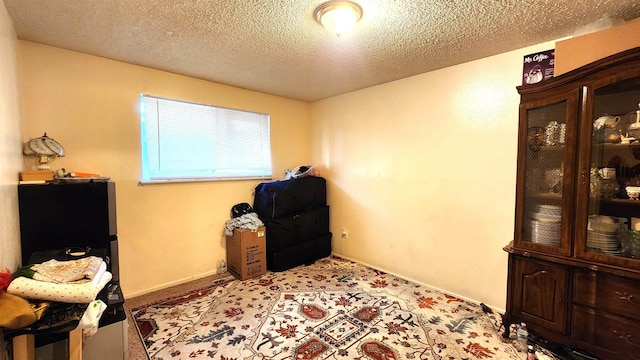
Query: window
<point x="183" y="141"/>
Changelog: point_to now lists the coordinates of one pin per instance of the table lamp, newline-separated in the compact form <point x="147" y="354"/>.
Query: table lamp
<point x="44" y="147"/>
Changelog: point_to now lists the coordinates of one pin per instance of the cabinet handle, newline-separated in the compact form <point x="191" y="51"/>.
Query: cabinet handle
<point x="628" y="297"/>
<point x="626" y="338"/>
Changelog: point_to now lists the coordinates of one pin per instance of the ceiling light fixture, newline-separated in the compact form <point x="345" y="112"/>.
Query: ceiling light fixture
<point x="338" y="16"/>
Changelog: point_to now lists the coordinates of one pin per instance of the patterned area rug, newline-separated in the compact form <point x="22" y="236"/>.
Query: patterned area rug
<point x="333" y="309"/>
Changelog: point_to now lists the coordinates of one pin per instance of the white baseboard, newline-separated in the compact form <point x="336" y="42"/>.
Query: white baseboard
<point x="200" y="276"/>
<point x="169" y="284"/>
<point x="498" y="310"/>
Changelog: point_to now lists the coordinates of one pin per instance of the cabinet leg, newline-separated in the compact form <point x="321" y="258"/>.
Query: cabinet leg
<point x="506" y="322"/>
<point x="75" y="344"/>
<point x="24" y="347"/>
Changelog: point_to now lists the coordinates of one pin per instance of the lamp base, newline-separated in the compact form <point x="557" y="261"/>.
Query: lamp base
<point x="44" y="162"/>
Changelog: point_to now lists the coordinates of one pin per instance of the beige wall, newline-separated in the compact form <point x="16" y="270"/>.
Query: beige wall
<point x="422" y="171"/>
<point x="168" y="233"/>
<point x="10" y="144"/>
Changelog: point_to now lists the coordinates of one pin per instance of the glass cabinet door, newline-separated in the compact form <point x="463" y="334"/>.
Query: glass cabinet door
<point x="546" y="175"/>
<point x="612" y="231"/>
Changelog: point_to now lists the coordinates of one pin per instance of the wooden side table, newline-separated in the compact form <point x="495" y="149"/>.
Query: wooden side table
<point x="24" y="346"/>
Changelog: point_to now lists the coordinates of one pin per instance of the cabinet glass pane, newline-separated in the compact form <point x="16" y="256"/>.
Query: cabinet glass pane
<point x="546" y="128"/>
<point x="613" y="226"/>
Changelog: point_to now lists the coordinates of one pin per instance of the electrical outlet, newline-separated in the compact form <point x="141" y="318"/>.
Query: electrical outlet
<point x="345" y="233"/>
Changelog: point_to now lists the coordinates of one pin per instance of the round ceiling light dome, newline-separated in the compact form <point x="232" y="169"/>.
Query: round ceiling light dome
<point x="338" y="16"/>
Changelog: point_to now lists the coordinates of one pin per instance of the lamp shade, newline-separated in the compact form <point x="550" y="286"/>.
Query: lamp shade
<point x="44" y="147"/>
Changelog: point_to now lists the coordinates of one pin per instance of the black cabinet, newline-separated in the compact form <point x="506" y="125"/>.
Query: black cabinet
<point x="61" y="220"/>
<point x="296" y="216"/>
<point x="58" y="217"/>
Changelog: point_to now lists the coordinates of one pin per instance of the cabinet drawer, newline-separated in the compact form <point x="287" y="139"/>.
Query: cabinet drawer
<point x="608" y="293"/>
<point x="617" y="337"/>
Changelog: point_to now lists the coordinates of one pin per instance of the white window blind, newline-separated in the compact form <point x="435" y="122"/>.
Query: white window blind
<point x="183" y="141"/>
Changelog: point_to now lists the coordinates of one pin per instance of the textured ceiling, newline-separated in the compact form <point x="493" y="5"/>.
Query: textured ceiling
<point x="276" y="47"/>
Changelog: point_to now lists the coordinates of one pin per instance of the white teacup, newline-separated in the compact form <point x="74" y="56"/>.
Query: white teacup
<point x="607" y="173"/>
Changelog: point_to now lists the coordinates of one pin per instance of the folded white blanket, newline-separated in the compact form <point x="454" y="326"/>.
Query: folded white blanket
<point x="80" y="270"/>
<point x="82" y="293"/>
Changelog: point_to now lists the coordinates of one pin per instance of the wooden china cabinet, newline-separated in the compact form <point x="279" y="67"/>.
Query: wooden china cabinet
<point x="574" y="264"/>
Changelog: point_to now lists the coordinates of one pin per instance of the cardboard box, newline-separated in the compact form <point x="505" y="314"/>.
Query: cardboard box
<point x="581" y="50"/>
<point x="31" y="175"/>
<point x="538" y="67"/>
<point x="247" y="253"/>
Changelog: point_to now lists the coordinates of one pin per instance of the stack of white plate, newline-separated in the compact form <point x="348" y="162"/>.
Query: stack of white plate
<point x="543" y="224"/>
<point x="607" y="243"/>
<point x="602" y="234"/>
<point x="543" y="232"/>
<point x="546" y="212"/>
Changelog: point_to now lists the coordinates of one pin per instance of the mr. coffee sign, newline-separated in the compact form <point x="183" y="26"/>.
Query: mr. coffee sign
<point x="538" y="67"/>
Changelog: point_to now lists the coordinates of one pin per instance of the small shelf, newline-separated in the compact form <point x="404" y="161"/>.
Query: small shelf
<point x="550" y="196"/>
<point x="616" y="201"/>
<point x="618" y="145"/>
<point x="550" y="148"/>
